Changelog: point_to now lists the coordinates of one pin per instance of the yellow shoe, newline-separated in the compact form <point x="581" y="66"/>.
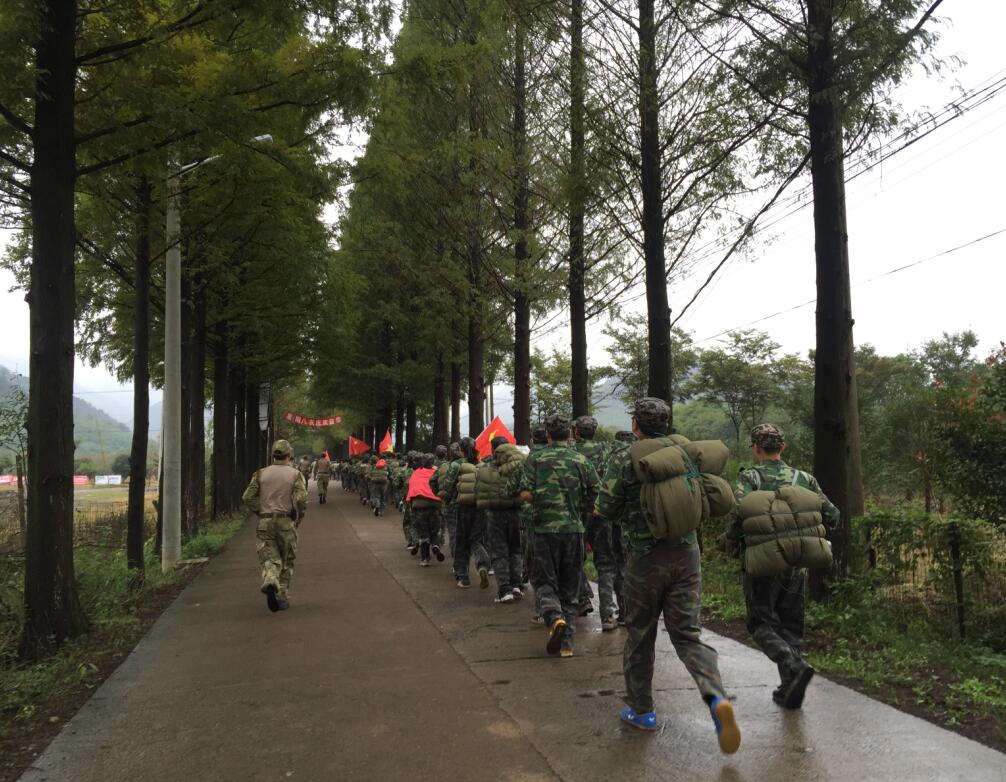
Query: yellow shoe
<point x="555" y="632"/>
<point x="727" y="732"/>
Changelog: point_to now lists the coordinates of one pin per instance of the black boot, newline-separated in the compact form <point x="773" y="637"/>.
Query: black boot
<point x="793" y="691"/>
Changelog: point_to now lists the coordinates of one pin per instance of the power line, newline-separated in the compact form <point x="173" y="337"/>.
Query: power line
<point x="887" y="273"/>
<point x="985" y="91"/>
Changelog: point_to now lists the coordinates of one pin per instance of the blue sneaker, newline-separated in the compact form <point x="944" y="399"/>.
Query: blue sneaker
<point x="727" y="732"/>
<point x="646" y="722"/>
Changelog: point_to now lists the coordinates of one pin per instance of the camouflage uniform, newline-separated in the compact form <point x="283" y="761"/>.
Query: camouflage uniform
<point x="662" y="577"/>
<point x="562" y="483"/>
<point x="597" y="532"/>
<point x="775" y="604"/>
<point x="469" y="525"/>
<point x="322" y="474"/>
<point x="445" y="478"/>
<point x="503" y="514"/>
<point x="278" y="496"/>
<point x="539" y="440"/>
<point x="377" y="483"/>
<point x="304" y="465"/>
<point x="618" y="551"/>
<point x="408" y="527"/>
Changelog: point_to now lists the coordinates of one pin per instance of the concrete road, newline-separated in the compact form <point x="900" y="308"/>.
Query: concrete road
<point x="383" y="670"/>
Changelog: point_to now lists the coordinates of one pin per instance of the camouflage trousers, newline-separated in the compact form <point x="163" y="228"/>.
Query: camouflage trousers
<point x="503" y="532"/>
<point x="378" y="493"/>
<point x="427" y="529"/>
<point x="408" y="527"/>
<point x="276" y="546"/>
<point x="471" y="534"/>
<point x="667" y="581"/>
<point x="555" y="575"/>
<point x="618" y="555"/>
<point x="345" y="481"/>
<point x="598" y="536"/>
<point x="322" y="480"/>
<point x="451" y="523"/>
<point x="775" y="612"/>
<point x="364" y="491"/>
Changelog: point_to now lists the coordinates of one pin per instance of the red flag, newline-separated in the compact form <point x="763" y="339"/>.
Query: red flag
<point x="385" y="445"/>
<point x="357" y="447"/>
<point x="495" y="429"/>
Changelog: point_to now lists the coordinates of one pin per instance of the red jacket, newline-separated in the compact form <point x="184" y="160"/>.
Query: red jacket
<point x="419" y="485"/>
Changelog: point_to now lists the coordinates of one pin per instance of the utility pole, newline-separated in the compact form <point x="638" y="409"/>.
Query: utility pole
<point x="171" y="429"/>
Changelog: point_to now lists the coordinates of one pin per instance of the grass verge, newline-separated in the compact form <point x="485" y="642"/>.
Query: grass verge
<point x="856" y="639"/>
<point x="36" y="699"/>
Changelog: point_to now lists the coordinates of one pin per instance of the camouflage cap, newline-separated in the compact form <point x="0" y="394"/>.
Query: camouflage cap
<point x="625" y="436"/>
<point x="556" y="423"/>
<point x="769" y="437"/>
<point x="539" y="436"/>
<point x="585" y="423"/>
<point x="496" y="442"/>
<point x="282" y="448"/>
<point x="455" y="450"/>
<point x="652" y="414"/>
<point x="441" y="451"/>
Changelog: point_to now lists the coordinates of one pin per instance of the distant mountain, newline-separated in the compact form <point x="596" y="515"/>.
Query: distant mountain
<point x="95" y="432"/>
<point x="609" y="410"/>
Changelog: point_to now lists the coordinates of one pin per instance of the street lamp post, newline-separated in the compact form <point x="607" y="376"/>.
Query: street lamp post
<point x="171" y="434"/>
<point x="171" y="429"/>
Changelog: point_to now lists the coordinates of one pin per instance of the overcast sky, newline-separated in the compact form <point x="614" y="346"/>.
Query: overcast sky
<point x="940" y="194"/>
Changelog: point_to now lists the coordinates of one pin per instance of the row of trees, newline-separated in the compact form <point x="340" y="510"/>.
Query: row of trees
<point x="100" y="103"/>
<point x="532" y="163"/>
<point x="522" y="159"/>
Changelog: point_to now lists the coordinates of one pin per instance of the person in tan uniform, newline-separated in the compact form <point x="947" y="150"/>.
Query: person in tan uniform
<point x="322" y="474"/>
<point x="278" y="495"/>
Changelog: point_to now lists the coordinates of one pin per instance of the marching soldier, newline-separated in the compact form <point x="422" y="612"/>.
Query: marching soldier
<point x="278" y="495"/>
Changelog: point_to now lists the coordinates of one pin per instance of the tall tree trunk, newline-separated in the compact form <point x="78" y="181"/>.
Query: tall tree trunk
<point x="52" y="610"/>
<point x="410" y="425"/>
<point x="577" y="207"/>
<point x="658" y="314"/>
<point x="455" y="401"/>
<point x="238" y="397"/>
<point x="141" y="385"/>
<point x="476" y="379"/>
<point x="400" y="419"/>
<point x="837" y="462"/>
<point x="188" y="315"/>
<point x="21" y="518"/>
<point x="253" y="433"/>
<point x="439" y="404"/>
<point x="195" y="485"/>
<point x="223" y="426"/>
<point x="369" y="433"/>
<point x="521" y="220"/>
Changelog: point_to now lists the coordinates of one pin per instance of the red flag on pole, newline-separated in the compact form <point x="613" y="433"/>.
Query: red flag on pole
<point x="385" y="445"/>
<point x="357" y="447"/>
<point x="495" y="429"/>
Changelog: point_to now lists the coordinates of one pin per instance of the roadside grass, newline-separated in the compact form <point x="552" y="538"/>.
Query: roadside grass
<point x="118" y="614"/>
<point x="857" y="638"/>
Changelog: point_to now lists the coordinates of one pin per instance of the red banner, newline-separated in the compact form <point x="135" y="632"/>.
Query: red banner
<point x="81" y="480"/>
<point x="483" y="443"/>
<point x="7" y="479"/>
<point x="317" y="423"/>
